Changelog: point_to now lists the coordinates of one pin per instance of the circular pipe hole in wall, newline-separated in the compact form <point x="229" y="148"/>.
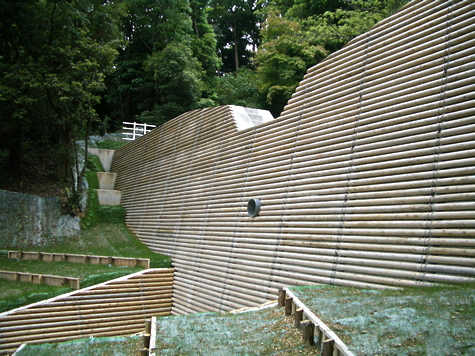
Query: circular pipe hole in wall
<point x="253" y="207"/>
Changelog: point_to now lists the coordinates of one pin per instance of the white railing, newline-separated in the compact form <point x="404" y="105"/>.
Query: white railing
<point x="136" y="129"/>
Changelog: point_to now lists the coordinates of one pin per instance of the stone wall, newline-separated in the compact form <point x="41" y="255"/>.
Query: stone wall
<point x="27" y="219"/>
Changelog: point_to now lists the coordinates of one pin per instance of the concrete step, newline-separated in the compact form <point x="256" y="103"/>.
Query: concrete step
<point x="105" y="156"/>
<point x="109" y="197"/>
<point x="106" y="180"/>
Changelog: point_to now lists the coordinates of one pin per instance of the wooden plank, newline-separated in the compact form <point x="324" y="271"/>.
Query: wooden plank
<point x="78" y="258"/>
<point x="153" y="336"/>
<point x="325" y="330"/>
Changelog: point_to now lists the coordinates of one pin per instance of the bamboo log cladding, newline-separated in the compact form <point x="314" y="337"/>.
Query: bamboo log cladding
<point x="366" y="179"/>
<point x="117" y="307"/>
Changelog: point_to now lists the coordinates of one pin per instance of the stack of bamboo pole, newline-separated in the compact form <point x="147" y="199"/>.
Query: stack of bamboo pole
<point x="367" y="179"/>
<point x="118" y="307"/>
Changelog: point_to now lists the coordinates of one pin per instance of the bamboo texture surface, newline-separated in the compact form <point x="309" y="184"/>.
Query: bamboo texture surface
<point x="367" y="178"/>
<point x="117" y="307"/>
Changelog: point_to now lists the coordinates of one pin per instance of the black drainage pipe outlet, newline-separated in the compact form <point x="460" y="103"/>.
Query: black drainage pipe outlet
<point x="253" y="207"/>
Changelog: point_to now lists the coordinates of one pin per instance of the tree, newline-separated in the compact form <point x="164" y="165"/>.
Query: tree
<point x="240" y="88"/>
<point x="204" y="44"/>
<point x="282" y="60"/>
<point x="333" y="23"/>
<point x="298" y="34"/>
<point x="154" y="31"/>
<point x="236" y="26"/>
<point x="53" y="65"/>
<point x="177" y="78"/>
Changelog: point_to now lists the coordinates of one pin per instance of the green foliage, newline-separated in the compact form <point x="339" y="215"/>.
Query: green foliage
<point x="168" y="64"/>
<point x="53" y="61"/>
<point x="94" y="164"/>
<point x="298" y="34"/>
<point x="112" y="214"/>
<point x="73" y="202"/>
<point x="109" y="239"/>
<point x="90" y="218"/>
<point x="177" y="76"/>
<point x="235" y="23"/>
<point x="111" y="145"/>
<point x="241" y="88"/>
<point x="92" y="346"/>
<point x="283" y="59"/>
<point x="16" y="294"/>
<point x="104" y="239"/>
<point x="67" y="269"/>
<point x="58" y="59"/>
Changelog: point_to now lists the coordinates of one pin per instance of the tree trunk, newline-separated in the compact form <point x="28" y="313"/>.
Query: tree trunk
<point x="15" y="149"/>
<point x="236" y="52"/>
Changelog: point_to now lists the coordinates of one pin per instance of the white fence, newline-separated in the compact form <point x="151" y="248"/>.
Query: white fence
<point x="132" y="130"/>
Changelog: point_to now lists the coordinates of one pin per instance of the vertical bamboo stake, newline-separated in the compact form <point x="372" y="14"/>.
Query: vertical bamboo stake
<point x="320" y="337"/>
<point x="148" y="326"/>
<point x="327" y="347"/>
<point x="308" y="332"/>
<point x="146" y="336"/>
<point x="281" y="300"/>
<point x="146" y="340"/>
<point x="153" y="335"/>
<point x="288" y="306"/>
<point x="298" y="317"/>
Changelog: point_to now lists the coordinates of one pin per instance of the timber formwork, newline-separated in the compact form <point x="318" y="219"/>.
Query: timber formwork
<point x="117" y="307"/>
<point x="367" y="179"/>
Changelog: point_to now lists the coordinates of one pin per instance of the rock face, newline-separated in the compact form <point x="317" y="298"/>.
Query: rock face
<point x="33" y="220"/>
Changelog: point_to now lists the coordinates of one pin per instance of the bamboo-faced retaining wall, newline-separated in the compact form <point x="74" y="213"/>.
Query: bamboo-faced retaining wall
<point x="367" y="179"/>
<point x="117" y="307"/>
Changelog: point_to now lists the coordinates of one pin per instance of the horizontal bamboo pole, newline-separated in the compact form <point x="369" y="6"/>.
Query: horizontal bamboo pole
<point x="71" y="325"/>
<point x="44" y="317"/>
<point x="404" y="18"/>
<point x="96" y="318"/>
<point x="343" y="182"/>
<point x="410" y="61"/>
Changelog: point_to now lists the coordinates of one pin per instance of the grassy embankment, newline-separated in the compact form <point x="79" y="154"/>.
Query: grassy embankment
<point x="103" y="232"/>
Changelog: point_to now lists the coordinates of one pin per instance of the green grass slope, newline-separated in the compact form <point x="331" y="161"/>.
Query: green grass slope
<point x="103" y="232"/>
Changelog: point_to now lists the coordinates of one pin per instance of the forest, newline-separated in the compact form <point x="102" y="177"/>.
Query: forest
<point x="72" y="68"/>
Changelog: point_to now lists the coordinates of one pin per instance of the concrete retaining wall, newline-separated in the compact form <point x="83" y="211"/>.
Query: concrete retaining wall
<point x="27" y="219"/>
